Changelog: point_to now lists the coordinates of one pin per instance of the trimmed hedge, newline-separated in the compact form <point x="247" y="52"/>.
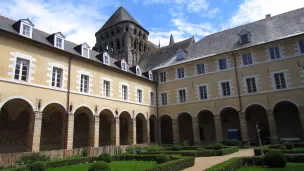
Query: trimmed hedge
<point x="69" y="162"/>
<point x="257" y="151"/>
<point x="277" y="146"/>
<point x="174" y="165"/>
<point x="139" y="157"/>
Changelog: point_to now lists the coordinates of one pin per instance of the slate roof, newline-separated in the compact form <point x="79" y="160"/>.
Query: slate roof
<point x="266" y="30"/>
<point x="69" y="47"/>
<point x="120" y="15"/>
<point x="156" y="57"/>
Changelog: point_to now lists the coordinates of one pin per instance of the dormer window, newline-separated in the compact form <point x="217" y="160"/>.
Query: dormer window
<point x="26" y="30"/>
<point x="59" y="40"/>
<point x="150" y="75"/>
<point x="180" y="54"/>
<point x="123" y="65"/>
<point x="106" y="59"/>
<point x="138" y="71"/>
<point x="24" y="27"/>
<point x="244" y="36"/>
<point x="85" y="50"/>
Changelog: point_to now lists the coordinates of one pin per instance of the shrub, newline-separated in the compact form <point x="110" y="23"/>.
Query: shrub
<point x="37" y="166"/>
<point x="201" y="149"/>
<point x="283" y="148"/>
<point x="233" y="142"/>
<point x="185" y="143"/>
<point x="31" y="158"/>
<point x="105" y="157"/>
<point x="117" y="151"/>
<point x="275" y="158"/>
<point x="133" y="148"/>
<point x="288" y="145"/>
<point x="99" y="166"/>
<point x="162" y="158"/>
<point x="68" y="162"/>
<point x="218" y="146"/>
<point x="231" y="164"/>
<point x="173" y="165"/>
<point x="153" y="148"/>
<point x="176" y="148"/>
<point x="84" y="152"/>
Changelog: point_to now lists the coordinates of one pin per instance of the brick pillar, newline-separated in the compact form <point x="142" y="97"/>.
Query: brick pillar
<point x="218" y="127"/>
<point x="147" y="132"/>
<point x="196" y="131"/>
<point x="96" y="131"/>
<point x="70" y="131"/>
<point x="175" y="129"/>
<point x="33" y="144"/>
<point x="272" y="127"/>
<point x="132" y="130"/>
<point x="301" y="114"/>
<point x="115" y="139"/>
<point x="244" y="128"/>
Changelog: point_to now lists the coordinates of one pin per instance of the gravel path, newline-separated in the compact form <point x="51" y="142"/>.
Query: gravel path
<point x="202" y="163"/>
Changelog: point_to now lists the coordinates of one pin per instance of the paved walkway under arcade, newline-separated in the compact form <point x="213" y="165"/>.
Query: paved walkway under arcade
<point x="202" y="163"/>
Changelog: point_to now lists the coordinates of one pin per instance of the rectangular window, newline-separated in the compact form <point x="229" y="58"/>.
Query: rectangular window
<point x="180" y="73"/>
<point x="274" y="53"/>
<point x="85" y="52"/>
<point x="26" y="30"/>
<point x="84" y="83"/>
<point x="106" y="88"/>
<point x="251" y="85"/>
<point x="22" y="69"/>
<point x="182" y="96"/>
<point x="203" y="92"/>
<point x="200" y="68"/>
<point x="106" y="59"/>
<point x="152" y="99"/>
<point x="225" y="88"/>
<point x="56" y="77"/>
<point x="247" y="59"/>
<point x="222" y="64"/>
<point x="244" y="38"/>
<point x="301" y="44"/>
<point x="124" y="92"/>
<point x="279" y="79"/>
<point x="163" y="77"/>
<point x="123" y="66"/>
<point x="59" y="42"/>
<point x="139" y="96"/>
<point x="164" y="99"/>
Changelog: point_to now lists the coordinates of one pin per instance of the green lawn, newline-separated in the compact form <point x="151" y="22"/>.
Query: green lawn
<point x="299" y="149"/>
<point x="115" y="166"/>
<point x="289" y="167"/>
<point x="187" y="151"/>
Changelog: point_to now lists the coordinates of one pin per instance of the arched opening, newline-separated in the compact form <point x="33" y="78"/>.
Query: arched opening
<point x="185" y="127"/>
<point x="117" y="30"/>
<point x="126" y="128"/>
<point x="230" y="123"/>
<point x="145" y="47"/>
<point x="52" y="128"/>
<point x="135" y="31"/>
<point x="153" y="126"/>
<point x="206" y="126"/>
<point x="140" y="46"/>
<point x="287" y="120"/>
<point x="141" y="129"/>
<point x="112" y="33"/>
<point x="256" y="114"/>
<point x="107" y="128"/>
<point x="112" y="46"/>
<point x="117" y="45"/>
<point x="166" y="129"/>
<point x="135" y="44"/>
<point x="127" y="28"/>
<point x="15" y="129"/>
<point x="83" y="128"/>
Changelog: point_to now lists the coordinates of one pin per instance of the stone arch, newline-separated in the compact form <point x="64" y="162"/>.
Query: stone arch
<point x="17" y="97"/>
<point x="153" y="128"/>
<point x="53" y="127"/>
<point x="230" y="122"/>
<point x="126" y="128"/>
<point x="185" y="127"/>
<point x="107" y="128"/>
<point x="287" y="120"/>
<point x="53" y="102"/>
<point x="166" y="130"/>
<point x="83" y="127"/>
<point x="255" y="113"/>
<point x="16" y="125"/>
<point x="141" y="129"/>
<point x="285" y="100"/>
<point x="206" y="126"/>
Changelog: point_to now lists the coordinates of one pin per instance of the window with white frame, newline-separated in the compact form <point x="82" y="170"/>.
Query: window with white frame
<point x="22" y="69"/>
<point x="164" y="99"/>
<point x="301" y="45"/>
<point x="138" y="71"/>
<point x="150" y="75"/>
<point x="59" y="42"/>
<point x="225" y="88"/>
<point x="251" y="85"/>
<point x="57" y="77"/>
<point x="203" y="92"/>
<point x="180" y="73"/>
<point x="182" y="96"/>
<point x="26" y="30"/>
<point x="85" y="52"/>
<point x="84" y="83"/>
<point x="106" y="88"/>
<point x="123" y="65"/>
<point x="274" y="53"/>
<point x="200" y="68"/>
<point x="124" y="91"/>
<point x="139" y="96"/>
<point x="280" y="81"/>
<point x="106" y="59"/>
<point x="222" y="63"/>
<point x="152" y="98"/>
<point x="163" y="77"/>
<point x="247" y="59"/>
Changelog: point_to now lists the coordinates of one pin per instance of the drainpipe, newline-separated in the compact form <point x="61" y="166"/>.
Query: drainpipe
<point x="157" y="113"/>
<point x="68" y="102"/>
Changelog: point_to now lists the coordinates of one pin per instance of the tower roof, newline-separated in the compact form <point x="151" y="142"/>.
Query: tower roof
<point x="171" y="40"/>
<point x="120" y="15"/>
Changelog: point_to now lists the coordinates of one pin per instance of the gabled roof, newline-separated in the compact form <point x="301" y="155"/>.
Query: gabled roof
<point x="120" y="15"/>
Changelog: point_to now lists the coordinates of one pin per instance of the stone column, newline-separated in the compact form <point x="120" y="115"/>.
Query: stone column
<point x="196" y="131"/>
<point x="175" y="129"/>
<point x="115" y="139"/>
<point x="155" y="132"/>
<point x="218" y="127"/>
<point x="272" y="127"/>
<point x="147" y="131"/>
<point x="96" y="131"/>
<point x="70" y="131"/>
<point x="244" y="128"/>
<point x="301" y="114"/>
<point x="34" y="134"/>
<point x="132" y="130"/>
<point x="158" y="131"/>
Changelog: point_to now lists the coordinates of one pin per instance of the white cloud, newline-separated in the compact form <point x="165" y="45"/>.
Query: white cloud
<point x="252" y="10"/>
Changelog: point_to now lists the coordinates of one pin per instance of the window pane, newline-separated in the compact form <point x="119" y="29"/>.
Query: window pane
<point x="301" y="44"/>
<point x="222" y="64"/>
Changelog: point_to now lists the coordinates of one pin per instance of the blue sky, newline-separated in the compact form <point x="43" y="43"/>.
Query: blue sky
<point x="78" y="20"/>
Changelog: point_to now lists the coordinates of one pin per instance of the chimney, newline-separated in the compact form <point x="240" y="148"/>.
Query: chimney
<point x="268" y="17"/>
